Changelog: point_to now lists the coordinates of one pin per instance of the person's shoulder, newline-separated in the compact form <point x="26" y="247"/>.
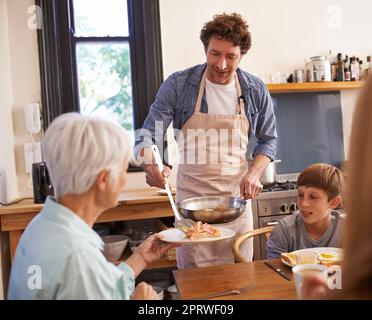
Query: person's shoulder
<point x="253" y="81"/>
<point x="194" y="71"/>
<point x="289" y="221"/>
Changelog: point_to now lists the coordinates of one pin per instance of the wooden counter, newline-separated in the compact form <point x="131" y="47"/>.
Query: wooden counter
<point x="133" y="205"/>
<point x="313" y="86"/>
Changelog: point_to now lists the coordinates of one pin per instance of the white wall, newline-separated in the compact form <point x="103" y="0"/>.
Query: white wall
<point x="284" y="33"/>
<point x="7" y="160"/>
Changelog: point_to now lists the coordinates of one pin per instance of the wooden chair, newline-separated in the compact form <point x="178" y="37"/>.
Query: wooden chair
<point x="240" y="239"/>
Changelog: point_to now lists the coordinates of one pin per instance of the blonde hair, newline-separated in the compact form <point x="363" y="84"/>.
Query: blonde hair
<point x="325" y="177"/>
<point x="357" y="270"/>
<point x="76" y="148"/>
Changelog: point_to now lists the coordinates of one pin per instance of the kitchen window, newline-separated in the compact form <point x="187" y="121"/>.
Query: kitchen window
<point x="100" y="57"/>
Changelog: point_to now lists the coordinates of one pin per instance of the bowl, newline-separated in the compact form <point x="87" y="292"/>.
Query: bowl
<point x="114" y="246"/>
<point x="212" y="210"/>
<point x="160" y="292"/>
<point x="173" y="292"/>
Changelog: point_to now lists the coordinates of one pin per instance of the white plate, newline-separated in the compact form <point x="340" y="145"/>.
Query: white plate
<point x="175" y="235"/>
<point x="338" y="252"/>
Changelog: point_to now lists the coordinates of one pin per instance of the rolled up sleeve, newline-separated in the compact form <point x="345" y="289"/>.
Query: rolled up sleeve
<point x="266" y="134"/>
<point x="159" y="118"/>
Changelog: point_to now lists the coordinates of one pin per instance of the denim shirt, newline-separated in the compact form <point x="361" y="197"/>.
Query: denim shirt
<point x="176" y="98"/>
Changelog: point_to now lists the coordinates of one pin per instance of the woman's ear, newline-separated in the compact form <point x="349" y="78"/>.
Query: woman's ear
<point x="102" y="179"/>
<point x="335" y="202"/>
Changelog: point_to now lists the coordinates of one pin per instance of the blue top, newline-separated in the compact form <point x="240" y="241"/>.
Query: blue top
<point x="176" y="98"/>
<point x="59" y="257"/>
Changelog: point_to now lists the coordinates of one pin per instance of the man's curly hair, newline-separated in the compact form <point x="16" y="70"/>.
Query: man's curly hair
<point x="230" y="27"/>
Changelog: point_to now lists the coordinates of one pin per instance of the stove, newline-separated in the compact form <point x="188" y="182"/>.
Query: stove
<point x="275" y="202"/>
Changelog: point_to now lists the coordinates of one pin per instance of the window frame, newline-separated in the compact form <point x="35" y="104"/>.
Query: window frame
<point x="57" y="58"/>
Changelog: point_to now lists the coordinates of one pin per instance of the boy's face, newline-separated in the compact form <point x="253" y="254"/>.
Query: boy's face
<point x="314" y="205"/>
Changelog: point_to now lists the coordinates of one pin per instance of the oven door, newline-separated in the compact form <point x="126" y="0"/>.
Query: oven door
<point x="266" y="222"/>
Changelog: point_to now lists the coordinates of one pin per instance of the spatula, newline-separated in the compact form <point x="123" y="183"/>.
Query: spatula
<point x="179" y="221"/>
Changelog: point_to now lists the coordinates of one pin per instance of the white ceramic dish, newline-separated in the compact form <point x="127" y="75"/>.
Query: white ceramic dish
<point x="336" y="252"/>
<point x="175" y="235"/>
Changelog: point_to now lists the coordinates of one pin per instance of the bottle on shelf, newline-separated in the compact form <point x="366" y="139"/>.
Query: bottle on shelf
<point x="352" y="69"/>
<point x="340" y="76"/>
<point x="362" y="70"/>
<point x="347" y="76"/>
<point x="368" y="67"/>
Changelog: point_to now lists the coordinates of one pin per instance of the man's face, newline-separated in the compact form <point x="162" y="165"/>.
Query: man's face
<point x="222" y="60"/>
<point x="313" y="204"/>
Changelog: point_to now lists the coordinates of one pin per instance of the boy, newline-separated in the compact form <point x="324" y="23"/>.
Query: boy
<point x="316" y="223"/>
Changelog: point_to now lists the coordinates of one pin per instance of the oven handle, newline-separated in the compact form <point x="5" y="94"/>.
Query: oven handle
<point x="274" y="223"/>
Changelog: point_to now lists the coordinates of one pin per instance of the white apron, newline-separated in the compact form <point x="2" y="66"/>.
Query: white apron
<point x="214" y="167"/>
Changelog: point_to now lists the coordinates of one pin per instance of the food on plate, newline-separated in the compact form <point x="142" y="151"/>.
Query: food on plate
<point x="289" y="257"/>
<point x="200" y="230"/>
<point x="326" y="258"/>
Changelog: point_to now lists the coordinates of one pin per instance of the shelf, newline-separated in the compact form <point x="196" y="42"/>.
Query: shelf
<point x="313" y="86"/>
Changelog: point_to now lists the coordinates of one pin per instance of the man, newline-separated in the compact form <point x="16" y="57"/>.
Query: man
<point x="215" y="107"/>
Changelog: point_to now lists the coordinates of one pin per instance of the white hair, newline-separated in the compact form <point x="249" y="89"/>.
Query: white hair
<point x="77" y="147"/>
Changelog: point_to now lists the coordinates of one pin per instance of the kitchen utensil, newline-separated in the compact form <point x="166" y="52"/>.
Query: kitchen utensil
<point x="278" y="267"/>
<point x="214" y="209"/>
<point x="269" y="174"/>
<point x="179" y="221"/>
<point x="320" y="66"/>
<point x="226" y="292"/>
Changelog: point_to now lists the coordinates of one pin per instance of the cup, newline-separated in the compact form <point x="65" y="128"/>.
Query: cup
<point x="306" y="257"/>
<point x="303" y="270"/>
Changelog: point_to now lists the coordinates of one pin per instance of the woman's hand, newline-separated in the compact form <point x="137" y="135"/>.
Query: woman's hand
<point x="153" y="248"/>
<point x="144" y="291"/>
<point x="314" y="288"/>
<point x="149" y="251"/>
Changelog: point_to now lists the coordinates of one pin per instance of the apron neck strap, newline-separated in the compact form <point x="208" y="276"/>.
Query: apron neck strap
<point x="240" y="107"/>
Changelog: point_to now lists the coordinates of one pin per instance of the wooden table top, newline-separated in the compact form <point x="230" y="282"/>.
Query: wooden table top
<point x="264" y="282"/>
<point x="130" y="197"/>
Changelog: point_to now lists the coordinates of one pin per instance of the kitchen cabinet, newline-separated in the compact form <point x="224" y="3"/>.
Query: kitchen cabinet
<point x="275" y="88"/>
<point x="133" y="205"/>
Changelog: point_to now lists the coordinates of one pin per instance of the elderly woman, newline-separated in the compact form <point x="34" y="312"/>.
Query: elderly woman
<point x="59" y="255"/>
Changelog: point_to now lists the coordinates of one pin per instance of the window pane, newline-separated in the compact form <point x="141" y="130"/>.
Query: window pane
<point x="101" y="18"/>
<point x="105" y="87"/>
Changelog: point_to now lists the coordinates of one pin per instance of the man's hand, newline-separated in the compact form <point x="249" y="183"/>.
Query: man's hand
<point x="250" y="185"/>
<point x="154" y="177"/>
<point x="144" y="291"/>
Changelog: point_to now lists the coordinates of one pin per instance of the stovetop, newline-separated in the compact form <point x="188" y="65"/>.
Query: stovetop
<point x="278" y="190"/>
<point x="279" y="186"/>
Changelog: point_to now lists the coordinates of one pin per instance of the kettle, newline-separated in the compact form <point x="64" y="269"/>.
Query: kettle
<point x="41" y="182"/>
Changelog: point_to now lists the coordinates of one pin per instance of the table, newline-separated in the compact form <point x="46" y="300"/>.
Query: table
<point x="266" y="283"/>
